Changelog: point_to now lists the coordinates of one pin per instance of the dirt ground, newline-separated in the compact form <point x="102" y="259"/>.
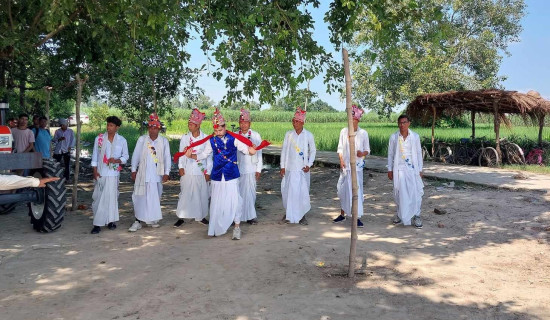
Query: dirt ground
<point x="486" y="258"/>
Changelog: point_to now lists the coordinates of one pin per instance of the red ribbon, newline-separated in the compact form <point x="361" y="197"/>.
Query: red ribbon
<point x="242" y="139"/>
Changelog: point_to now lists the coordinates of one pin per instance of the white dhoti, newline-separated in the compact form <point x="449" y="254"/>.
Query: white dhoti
<point x="193" y="198"/>
<point x="105" y="201"/>
<point x="247" y="188"/>
<point x="225" y="206"/>
<point x="147" y="206"/>
<point x="408" y="190"/>
<point x="344" y="192"/>
<point x="295" y="192"/>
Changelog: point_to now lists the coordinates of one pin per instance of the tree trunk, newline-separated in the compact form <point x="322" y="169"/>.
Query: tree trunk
<point x="154" y="96"/>
<point x="80" y="83"/>
<point x="22" y="89"/>
<point x="353" y="167"/>
<point x="47" y="112"/>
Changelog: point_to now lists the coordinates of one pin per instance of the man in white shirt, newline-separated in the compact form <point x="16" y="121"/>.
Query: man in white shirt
<point x="362" y="149"/>
<point x="405" y="169"/>
<point x="297" y="156"/>
<point x="195" y="175"/>
<point x="64" y="140"/>
<point x="109" y="155"/>
<point x="150" y="168"/>
<point x="250" y="168"/>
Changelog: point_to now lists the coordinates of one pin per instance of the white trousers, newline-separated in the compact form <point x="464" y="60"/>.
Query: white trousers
<point x="295" y="192"/>
<point x="408" y="190"/>
<point x="247" y="188"/>
<point x="147" y="206"/>
<point x="193" y="198"/>
<point x="344" y="192"/>
<point x="225" y="206"/>
<point x="105" y="201"/>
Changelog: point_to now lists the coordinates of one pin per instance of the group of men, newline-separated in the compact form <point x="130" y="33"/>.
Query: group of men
<point x="219" y="172"/>
<point x="37" y="138"/>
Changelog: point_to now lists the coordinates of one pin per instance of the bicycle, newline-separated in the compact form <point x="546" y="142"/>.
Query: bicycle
<point x="512" y="152"/>
<point x="442" y="153"/>
<point x="467" y="152"/>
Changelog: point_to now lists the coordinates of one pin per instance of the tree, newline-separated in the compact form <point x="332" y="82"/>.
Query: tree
<point x="320" y="106"/>
<point x="443" y="45"/>
<point x="98" y="113"/>
<point x="293" y="100"/>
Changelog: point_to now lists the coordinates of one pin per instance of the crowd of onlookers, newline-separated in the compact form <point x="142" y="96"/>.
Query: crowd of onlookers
<point x="37" y="138"/>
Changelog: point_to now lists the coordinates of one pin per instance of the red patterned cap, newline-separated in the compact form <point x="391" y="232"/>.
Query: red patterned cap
<point x="245" y="115"/>
<point x="300" y="115"/>
<point x="154" y="120"/>
<point x="356" y="112"/>
<point x="196" y="116"/>
<point x="217" y="119"/>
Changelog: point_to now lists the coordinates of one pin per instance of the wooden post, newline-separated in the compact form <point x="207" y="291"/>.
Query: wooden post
<point x="47" y="112"/>
<point x="541" y="125"/>
<point x="353" y="167"/>
<point x="473" y="124"/>
<point x="80" y="84"/>
<point x="497" y="127"/>
<point x="433" y="131"/>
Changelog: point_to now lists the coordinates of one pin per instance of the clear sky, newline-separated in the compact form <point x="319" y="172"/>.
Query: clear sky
<point x="528" y="67"/>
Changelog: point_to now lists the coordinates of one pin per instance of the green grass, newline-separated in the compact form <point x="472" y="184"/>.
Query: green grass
<point x="529" y="168"/>
<point x="327" y="134"/>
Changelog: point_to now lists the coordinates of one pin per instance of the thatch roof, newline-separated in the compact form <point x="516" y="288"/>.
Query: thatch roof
<point x="455" y="103"/>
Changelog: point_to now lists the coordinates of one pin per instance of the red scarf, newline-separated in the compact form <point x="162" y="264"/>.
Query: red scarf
<point x="242" y="139"/>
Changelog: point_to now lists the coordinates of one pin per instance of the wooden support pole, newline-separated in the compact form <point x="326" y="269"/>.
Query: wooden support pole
<point x="80" y="83"/>
<point x="497" y="127"/>
<point x="541" y="126"/>
<point x="473" y="124"/>
<point x="353" y="167"/>
<point x="433" y="130"/>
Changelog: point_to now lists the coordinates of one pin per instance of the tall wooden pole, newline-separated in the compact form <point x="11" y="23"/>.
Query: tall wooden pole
<point x="80" y="85"/>
<point x="541" y="125"/>
<point x="47" y="112"/>
<point x="353" y="167"/>
<point x="473" y="124"/>
<point x="433" y="130"/>
<point x="497" y="128"/>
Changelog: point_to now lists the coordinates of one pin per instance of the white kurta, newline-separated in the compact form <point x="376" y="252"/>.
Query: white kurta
<point x="193" y="198"/>
<point x="408" y="187"/>
<point x="147" y="206"/>
<point x="248" y="166"/>
<point x="10" y="182"/>
<point x="298" y="151"/>
<point x="225" y="201"/>
<point x="105" y="196"/>
<point x="344" y="181"/>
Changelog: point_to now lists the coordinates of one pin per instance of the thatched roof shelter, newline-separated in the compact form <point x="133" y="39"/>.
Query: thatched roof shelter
<point x="497" y="102"/>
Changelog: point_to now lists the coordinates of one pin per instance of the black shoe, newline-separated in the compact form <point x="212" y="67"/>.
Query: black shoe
<point x="111" y="226"/>
<point x="303" y="221"/>
<point x="339" y="219"/>
<point x="252" y="221"/>
<point x="204" y="221"/>
<point x="178" y="223"/>
<point x="95" y="230"/>
<point x="359" y="223"/>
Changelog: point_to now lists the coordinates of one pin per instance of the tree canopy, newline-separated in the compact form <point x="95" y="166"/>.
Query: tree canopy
<point x="442" y="45"/>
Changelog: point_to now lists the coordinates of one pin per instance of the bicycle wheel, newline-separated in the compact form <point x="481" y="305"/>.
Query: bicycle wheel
<point x="489" y="158"/>
<point x="461" y="156"/>
<point x="443" y="154"/>
<point x="425" y="153"/>
<point x="514" y="154"/>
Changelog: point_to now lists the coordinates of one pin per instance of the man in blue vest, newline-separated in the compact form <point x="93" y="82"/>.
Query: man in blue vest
<point x="226" y="202"/>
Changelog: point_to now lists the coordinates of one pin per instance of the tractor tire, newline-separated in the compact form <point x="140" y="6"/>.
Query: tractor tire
<point x="48" y="214"/>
